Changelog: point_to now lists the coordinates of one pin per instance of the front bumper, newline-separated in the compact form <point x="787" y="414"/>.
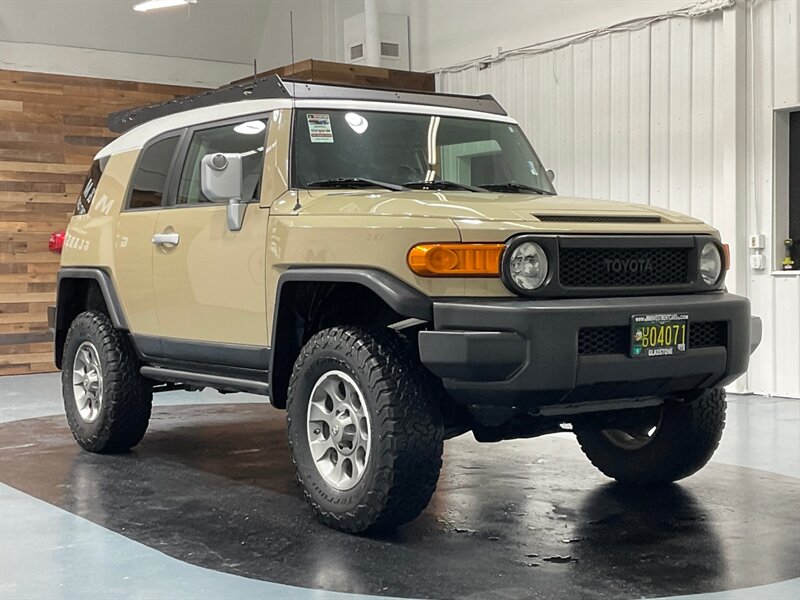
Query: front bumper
<point x="524" y="353"/>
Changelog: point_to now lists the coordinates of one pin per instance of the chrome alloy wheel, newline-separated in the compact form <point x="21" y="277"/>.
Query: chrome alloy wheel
<point x="338" y="430"/>
<point x="87" y="382"/>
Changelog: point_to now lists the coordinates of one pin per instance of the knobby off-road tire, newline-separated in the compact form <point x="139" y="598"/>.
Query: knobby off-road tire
<point x="120" y="418"/>
<point x="404" y="421"/>
<point x="684" y="441"/>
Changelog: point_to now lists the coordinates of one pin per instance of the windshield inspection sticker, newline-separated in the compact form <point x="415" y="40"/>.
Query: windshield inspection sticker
<point x="319" y="128"/>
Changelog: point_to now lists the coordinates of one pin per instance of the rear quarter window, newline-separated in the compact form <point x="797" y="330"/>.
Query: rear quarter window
<point x="150" y="180"/>
<point x="86" y="195"/>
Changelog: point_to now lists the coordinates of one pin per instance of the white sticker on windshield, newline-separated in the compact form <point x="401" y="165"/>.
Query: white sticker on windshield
<point x="319" y="128"/>
<point x="532" y="167"/>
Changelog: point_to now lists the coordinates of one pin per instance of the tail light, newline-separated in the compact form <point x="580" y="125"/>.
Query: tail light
<point x="56" y="242"/>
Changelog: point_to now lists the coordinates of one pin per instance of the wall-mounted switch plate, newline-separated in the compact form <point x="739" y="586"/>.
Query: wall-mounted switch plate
<point x="757" y="241"/>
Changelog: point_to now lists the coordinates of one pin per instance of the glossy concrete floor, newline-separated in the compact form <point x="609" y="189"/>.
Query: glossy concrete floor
<point x="206" y="506"/>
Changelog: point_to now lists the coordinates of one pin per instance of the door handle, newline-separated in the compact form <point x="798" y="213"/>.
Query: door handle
<point x="166" y="239"/>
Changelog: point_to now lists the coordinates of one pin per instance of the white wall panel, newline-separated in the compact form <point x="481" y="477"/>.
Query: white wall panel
<point x="648" y="116"/>
<point x="774" y="82"/>
<point x="639" y="158"/>
<point x="619" y="130"/>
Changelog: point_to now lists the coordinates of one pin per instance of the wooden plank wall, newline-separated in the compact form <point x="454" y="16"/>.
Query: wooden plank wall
<point x="321" y="71"/>
<point x="50" y="128"/>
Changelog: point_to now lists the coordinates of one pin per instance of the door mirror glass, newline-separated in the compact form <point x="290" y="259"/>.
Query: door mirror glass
<point x="221" y="181"/>
<point x="551" y="174"/>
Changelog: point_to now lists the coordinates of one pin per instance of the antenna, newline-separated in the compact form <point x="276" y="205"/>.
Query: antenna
<point x="297" y="205"/>
<point x="291" y="43"/>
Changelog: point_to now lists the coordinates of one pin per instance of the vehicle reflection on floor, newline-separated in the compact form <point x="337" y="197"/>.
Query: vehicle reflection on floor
<point x="213" y="486"/>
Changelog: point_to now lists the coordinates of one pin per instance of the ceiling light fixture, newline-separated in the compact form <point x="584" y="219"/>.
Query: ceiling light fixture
<point x="357" y="123"/>
<point x="250" y="127"/>
<point x="156" y="4"/>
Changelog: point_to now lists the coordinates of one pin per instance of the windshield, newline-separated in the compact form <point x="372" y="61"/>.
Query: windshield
<point x="371" y="149"/>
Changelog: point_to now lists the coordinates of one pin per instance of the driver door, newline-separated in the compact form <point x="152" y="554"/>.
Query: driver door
<point x="209" y="280"/>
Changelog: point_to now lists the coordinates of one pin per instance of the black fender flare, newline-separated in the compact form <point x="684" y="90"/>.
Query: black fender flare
<point x="398" y="295"/>
<point x="63" y="297"/>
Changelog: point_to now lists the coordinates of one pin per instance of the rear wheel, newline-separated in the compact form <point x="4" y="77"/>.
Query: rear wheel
<point x="676" y="441"/>
<point x="365" y="437"/>
<point x="106" y="400"/>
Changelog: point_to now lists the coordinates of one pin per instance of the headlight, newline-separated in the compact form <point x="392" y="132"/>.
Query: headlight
<point x="710" y="263"/>
<point x="526" y="266"/>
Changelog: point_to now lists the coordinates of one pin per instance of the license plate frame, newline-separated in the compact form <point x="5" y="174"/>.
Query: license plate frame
<point x="659" y="334"/>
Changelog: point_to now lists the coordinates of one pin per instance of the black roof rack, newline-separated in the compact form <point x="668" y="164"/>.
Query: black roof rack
<point x="272" y="86"/>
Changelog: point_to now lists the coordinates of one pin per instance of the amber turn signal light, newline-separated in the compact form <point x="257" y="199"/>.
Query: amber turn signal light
<point x="726" y="253"/>
<point x="456" y="260"/>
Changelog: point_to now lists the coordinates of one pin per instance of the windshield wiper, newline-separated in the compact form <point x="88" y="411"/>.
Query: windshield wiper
<point x="355" y="182"/>
<point x="442" y="184"/>
<point x="518" y="188"/>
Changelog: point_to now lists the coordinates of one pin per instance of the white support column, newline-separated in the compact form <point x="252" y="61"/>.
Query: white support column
<point x="733" y="223"/>
<point x="372" y="43"/>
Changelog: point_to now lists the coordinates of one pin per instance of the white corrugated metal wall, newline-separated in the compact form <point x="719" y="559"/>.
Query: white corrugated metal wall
<point x="674" y="115"/>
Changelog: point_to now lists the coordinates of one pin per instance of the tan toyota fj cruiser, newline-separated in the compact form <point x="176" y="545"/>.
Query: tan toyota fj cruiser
<point x="393" y="269"/>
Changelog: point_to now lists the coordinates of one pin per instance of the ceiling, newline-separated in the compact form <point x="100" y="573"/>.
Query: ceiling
<point x="222" y="30"/>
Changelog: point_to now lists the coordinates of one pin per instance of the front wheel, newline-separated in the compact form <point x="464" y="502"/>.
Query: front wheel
<point x="676" y="441"/>
<point x="365" y="437"/>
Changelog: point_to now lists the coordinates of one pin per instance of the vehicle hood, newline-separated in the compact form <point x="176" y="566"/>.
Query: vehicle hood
<point x="483" y="207"/>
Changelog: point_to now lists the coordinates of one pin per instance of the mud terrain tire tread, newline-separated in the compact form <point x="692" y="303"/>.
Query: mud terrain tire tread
<point x="127" y="396"/>
<point x="406" y="424"/>
<point x="688" y="435"/>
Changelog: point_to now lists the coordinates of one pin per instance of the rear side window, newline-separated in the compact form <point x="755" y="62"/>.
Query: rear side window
<point x="246" y="139"/>
<point x="150" y="179"/>
<point x="86" y="195"/>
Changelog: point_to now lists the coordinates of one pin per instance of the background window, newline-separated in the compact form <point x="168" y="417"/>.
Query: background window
<point x="150" y="180"/>
<point x="246" y="138"/>
<point x="474" y="161"/>
<point x="794" y="189"/>
<point x="787" y="190"/>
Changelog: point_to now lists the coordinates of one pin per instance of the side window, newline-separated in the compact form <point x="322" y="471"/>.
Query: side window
<point x="246" y="139"/>
<point x="86" y="195"/>
<point x="150" y="179"/>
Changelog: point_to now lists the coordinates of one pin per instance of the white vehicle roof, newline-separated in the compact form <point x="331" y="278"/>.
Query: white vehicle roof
<point x="137" y="137"/>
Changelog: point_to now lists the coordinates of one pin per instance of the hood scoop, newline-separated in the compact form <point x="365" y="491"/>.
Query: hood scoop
<point x="598" y="219"/>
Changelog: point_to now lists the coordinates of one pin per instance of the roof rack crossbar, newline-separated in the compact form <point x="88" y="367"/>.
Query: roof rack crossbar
<point x="272" y="86"/>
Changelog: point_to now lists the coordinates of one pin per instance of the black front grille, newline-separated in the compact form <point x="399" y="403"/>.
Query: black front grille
<point x="603" y="340"/>
<point x="596" y="219"/>
<point x="623" y="267"/>
<point x="707" y="334"/>
<point x="616" y="340"/>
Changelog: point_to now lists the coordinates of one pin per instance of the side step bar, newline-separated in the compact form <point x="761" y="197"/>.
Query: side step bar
<point x="578" y="408"/>
<point x="219" y="382"/>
